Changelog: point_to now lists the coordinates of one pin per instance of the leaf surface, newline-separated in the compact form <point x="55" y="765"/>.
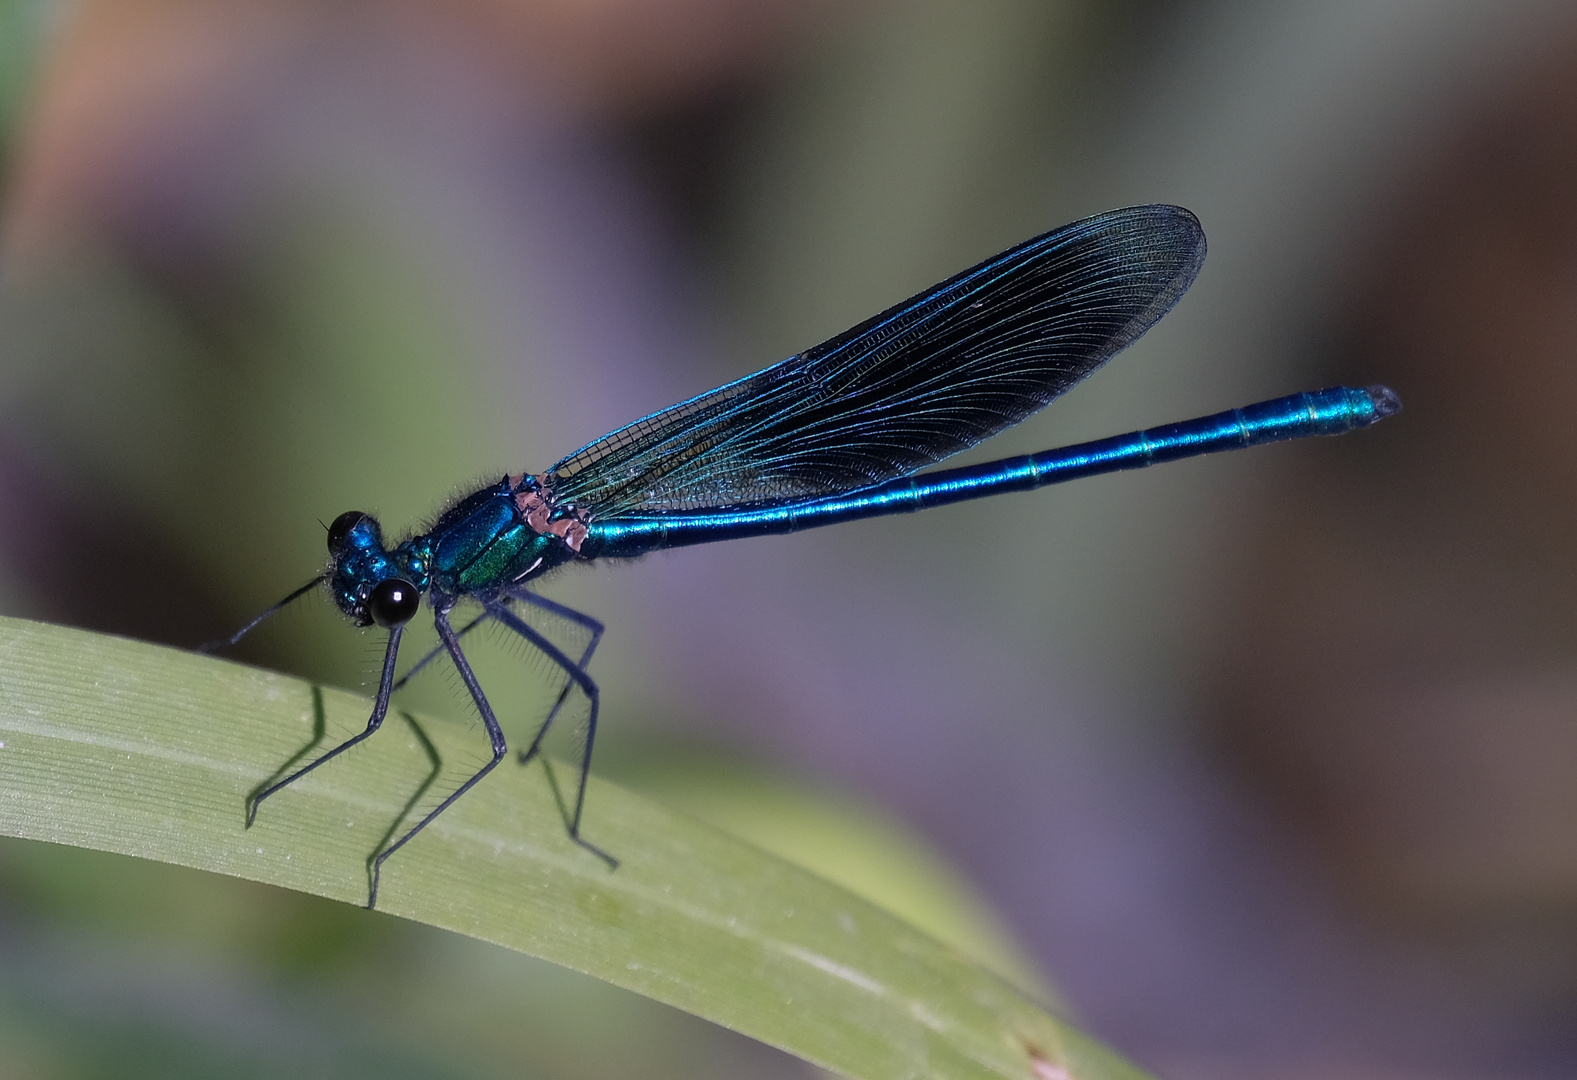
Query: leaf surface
<point x="142" y="750"/>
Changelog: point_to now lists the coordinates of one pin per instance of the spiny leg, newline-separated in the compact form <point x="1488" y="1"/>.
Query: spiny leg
<point x="579" y="618"/>
<point x="436" y="764"/>
<point x="432" y="654"/>
<point x="568" y="613"/>
<point x="220" y="643"/>
<point x="380" y="709"/>
<point x="319" y="729"/>
<point x="579" y="677"/>
<point x="495" y="733"/>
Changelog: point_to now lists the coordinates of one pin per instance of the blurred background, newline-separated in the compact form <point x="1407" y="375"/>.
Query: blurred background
<point x="1267" y="763"/>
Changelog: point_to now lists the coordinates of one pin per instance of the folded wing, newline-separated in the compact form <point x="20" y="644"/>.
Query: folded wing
<point x="907" y="388"/>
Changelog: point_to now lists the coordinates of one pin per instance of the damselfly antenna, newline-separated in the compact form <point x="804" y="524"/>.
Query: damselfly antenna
<point x="222" y="643"/>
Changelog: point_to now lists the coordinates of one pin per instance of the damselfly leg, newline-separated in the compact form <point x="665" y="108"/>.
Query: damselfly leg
<point x="577" y="675"/>
<point x="380" y="709"/>
<point x="594" y="628"/>
<point x="435" y="766"/>
<point x="495" y="733"/>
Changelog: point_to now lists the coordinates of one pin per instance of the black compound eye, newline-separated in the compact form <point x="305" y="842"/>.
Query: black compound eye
<point x="342" y="527"/>
<point x="393" y="602"/>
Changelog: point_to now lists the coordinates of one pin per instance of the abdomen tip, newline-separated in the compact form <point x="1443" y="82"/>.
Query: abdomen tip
<point x="1385" y="401"/>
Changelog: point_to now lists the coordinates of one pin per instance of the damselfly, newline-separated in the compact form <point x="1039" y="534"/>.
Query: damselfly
<point x="836" y="433"/>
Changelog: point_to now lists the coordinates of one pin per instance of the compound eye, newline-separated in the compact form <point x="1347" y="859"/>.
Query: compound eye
<point x="393" y="602"/>
<point x="341" y="529"/>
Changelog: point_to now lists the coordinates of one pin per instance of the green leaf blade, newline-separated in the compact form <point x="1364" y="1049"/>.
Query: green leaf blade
<point x="131" y="748"/>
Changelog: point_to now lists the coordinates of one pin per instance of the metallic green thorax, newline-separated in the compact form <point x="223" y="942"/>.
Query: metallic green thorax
<point x="490" y="539"/>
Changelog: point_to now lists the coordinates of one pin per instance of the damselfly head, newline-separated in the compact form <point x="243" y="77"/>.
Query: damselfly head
<point x="367" y="582"/>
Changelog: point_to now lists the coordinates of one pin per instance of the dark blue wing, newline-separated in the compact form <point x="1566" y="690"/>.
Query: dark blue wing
<point x="923" y="380"/>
